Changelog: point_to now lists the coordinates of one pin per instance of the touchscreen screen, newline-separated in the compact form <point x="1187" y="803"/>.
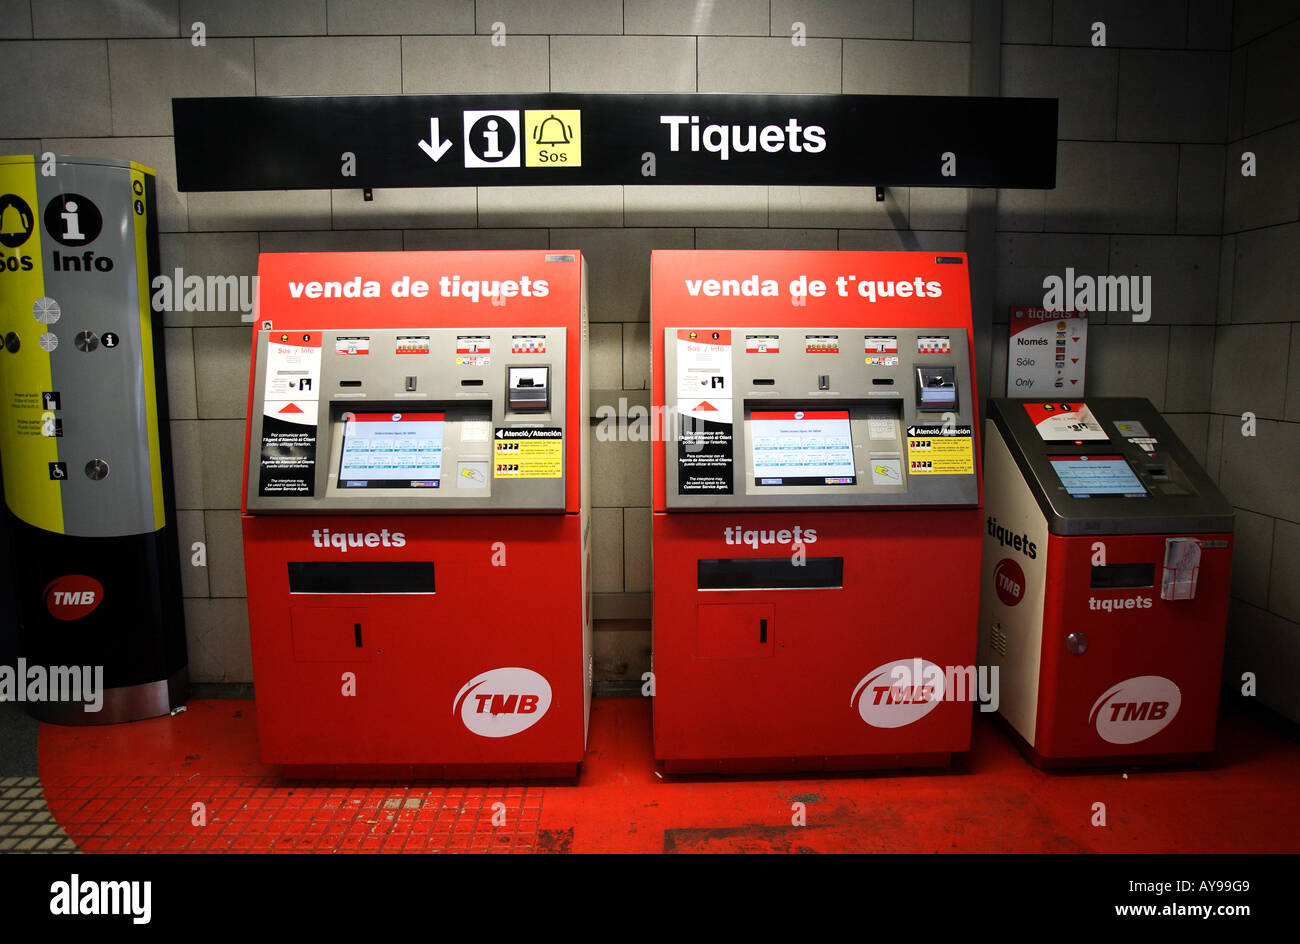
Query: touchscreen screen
<point x="802" y="447"/>
<point x="392" y="450"/>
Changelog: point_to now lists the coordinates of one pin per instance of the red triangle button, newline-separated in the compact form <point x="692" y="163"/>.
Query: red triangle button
<point x="291" y="408"/>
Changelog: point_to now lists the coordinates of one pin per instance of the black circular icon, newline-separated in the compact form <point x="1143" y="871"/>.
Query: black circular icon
<point x="73" y="220"/>
<point x="492" y="139"/>
<point x="96" y="469"/>
<point x="109" y="339"/>
<point x="139" y="208"/>
<point x="137" y="186"/>
<point x="12" y="343"/>
<point x="15" y="221"/>
<point x="85" y="341"/>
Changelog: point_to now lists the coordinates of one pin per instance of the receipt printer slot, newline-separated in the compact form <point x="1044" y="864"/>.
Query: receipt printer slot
<point x="936" y="388"/>
<point x="528" y="389"/>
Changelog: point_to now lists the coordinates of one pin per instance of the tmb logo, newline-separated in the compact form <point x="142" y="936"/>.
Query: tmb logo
<point x="1009" y="581"/>
<point x="73" y="596"/>
<point x="502" y="702"/>
<point x="898" y="693"/>
<point x="1136" y="709"/>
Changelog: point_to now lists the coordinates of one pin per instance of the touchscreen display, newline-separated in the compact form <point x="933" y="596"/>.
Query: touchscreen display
<point x="391" y="450"/>
<point x="1094" y="476"/>
<point x="802" y="447"/>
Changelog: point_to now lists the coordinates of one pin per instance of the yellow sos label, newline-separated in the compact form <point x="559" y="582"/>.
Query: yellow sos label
<point x="553" y="138"/>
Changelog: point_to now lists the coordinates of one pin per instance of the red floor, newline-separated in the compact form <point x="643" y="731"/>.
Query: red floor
<point x="133" y="788"/>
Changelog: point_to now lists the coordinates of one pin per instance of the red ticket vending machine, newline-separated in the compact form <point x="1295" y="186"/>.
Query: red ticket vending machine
<point x="1107" y="565"/>
<point x="816" y="517"/>
<point x="416" y="527"/>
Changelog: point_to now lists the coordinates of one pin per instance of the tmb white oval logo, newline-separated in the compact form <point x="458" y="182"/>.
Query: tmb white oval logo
<point x="1136" y="709"/>
<point x="898" y="693"/>
<point x="502" y="702"/>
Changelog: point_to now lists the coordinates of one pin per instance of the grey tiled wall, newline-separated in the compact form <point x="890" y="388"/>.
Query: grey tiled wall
<point x="1143" y="171"/>
<point x="1257" y="353"/>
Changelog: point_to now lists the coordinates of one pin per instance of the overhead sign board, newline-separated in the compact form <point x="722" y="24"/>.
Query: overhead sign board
<point x="322" y="142"/>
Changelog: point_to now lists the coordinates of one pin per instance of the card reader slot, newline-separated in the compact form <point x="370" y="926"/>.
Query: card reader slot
<point x="764" y="382"/>
<point x="349" y="383"/>
<point x="472" y="383"/>
<point x="883" y="381"/>
<point x="361" y="577"/>
<point x="770" y="573"/>
<point x="1123" y="576"/>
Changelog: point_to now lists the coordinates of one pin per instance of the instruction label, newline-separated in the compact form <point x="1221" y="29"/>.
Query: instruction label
<point x="1065" y="422"/>
<point x="1047" y="352"/>
<point x="939" y="450"/>
<point x="290" y="399"/>
<point x="532" y="453"/>
<point x="703" y="363"/>
<point x="705" y="447"/>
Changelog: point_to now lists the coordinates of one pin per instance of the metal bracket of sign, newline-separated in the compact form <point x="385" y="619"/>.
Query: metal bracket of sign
<point x="380" y="141"/>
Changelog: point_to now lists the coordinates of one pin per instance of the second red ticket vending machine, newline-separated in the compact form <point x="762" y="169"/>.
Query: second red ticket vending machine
<point x="416" y="526"/>
<point x="816" y="510"/>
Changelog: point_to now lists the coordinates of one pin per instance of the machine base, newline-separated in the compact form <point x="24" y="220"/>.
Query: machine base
<point x="129" y="703"/>
<point x="1193" y="759"/>
<point x="773" y="765"/>
<point x="406" y="772"/>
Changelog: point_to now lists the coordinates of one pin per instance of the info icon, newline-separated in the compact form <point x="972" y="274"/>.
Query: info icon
<point x="73" y="219"/>
<point x="492" y="139"/>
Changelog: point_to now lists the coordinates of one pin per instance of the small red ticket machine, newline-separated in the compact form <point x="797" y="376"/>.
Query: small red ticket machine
<point x="816" y="519"/>
<point x="416" y="528"/>
<point x="1107" y="569"/>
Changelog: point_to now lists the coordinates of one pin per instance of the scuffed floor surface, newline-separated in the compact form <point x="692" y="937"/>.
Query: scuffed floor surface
<point x="193" y="783"/>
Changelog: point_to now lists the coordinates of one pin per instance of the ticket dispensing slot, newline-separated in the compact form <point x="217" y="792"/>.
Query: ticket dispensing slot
<point x="770" y="573"/>
<point x="361" y="576"/>
<point x="1122" y="576"/>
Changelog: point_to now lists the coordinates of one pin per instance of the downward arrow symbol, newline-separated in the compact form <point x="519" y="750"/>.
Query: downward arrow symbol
<point x="435" y="147"/>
